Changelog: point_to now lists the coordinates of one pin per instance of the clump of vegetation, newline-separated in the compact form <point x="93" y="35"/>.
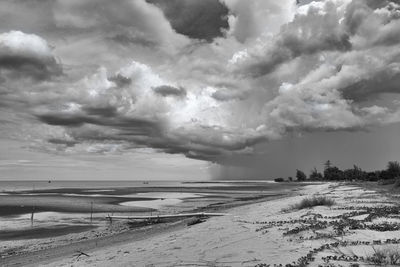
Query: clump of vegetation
<point x="385" y="256"/>
<point x="301" y="176"/>
<point x="313" y="201"/>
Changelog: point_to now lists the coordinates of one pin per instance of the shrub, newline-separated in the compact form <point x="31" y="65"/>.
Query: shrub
<point x="386" y="182"/>
<point x="393" y="169"/>
<point x="333" y="173"/>
<point x="315" y="175"/>
<point x="301" y="176"/>
<point x="355" y="174"/>
<point x="313" y="201"/>
<point x="385" y="256"/>
<point x="279" y="180"/>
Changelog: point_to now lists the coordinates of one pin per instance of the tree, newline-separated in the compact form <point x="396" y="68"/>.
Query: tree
<point x="301" y="176"/>
<point x="373" y="176"/>
<point x="327" y="164"/>
<point x="393" y="169"/>
<point x="290" y="178"/>
<point x="355" y="173"/>
<point x="333" y="173"/>
<point x="315" y="175"/>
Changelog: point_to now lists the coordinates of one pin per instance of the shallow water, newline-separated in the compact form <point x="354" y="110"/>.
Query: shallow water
<point x="173" y="201"/>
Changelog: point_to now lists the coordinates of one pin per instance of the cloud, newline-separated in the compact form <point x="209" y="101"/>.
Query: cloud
<point x="204" y="19"/>
<point x="27" y="55"/>
<point x="279" y="68"/>
<point x="127" y="39"/>
<point x="166" y="90"/>
<point x="100" y="110"/>
<point x="249" y="20"/>
<point x="315" y="29"/>
<point x="129" y="21"/>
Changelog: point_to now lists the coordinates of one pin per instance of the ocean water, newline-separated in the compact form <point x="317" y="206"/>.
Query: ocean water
<point x="49" y="184"/>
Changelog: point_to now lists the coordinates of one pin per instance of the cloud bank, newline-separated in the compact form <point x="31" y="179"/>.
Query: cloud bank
<point x="265" y="69"/>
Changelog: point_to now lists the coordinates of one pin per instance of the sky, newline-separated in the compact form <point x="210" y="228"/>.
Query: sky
<point x="196" y="90"/>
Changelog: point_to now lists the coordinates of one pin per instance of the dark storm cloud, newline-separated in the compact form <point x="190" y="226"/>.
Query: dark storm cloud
<point x="101" y="111"/>
<point x="62" y="142"/>
<point x="120" y="80"/>
<point x="126" y="40"/>
<point x="166" y="90"/>
<point x="205" y="19"/>
<point x="125" y="126"/>
<point x="65" y="119"/>
<point x="224" y="94"/>
<point x="385" y="81"/>
<point x="22" y="66"/>
<point x="136" y="133"/>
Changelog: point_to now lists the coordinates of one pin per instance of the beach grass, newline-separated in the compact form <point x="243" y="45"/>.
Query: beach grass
<point x="385" y="256"/>
<point x="310" y="202"/>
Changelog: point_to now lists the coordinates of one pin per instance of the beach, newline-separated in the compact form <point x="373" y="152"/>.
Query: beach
<point x="54" y="216"/>
<point x="255" y="233"/>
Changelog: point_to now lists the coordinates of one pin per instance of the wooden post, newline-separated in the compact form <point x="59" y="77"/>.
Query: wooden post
<point x="32" y="214"/>
<point x="91" y="211"/>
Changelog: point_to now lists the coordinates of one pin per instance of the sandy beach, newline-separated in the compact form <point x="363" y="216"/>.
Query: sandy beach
<point x="268" y="232"/>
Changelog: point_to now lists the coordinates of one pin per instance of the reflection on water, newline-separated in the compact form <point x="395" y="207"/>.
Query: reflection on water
<point x="163" y="199"/>
<point x="164" y="202"/>
<point x="44" y="219"/>
<point x="154" y="204"/>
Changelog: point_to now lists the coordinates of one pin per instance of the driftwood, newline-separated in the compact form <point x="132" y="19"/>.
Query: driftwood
<point x="81" y="253"/>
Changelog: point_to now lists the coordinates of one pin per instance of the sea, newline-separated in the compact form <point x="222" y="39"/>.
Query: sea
<point x="19" y="185"/>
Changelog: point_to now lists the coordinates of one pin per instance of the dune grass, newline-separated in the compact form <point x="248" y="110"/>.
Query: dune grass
<point x="385" y="256"/>
<point x="310" y="202"/>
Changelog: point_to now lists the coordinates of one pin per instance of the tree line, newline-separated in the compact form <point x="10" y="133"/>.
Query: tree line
<point x="333" y="173"/>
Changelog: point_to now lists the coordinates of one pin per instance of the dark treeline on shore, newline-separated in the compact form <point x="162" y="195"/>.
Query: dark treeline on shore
<point x="333" y="173"/>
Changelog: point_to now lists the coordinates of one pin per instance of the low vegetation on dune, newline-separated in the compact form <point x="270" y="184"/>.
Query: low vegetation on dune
<point x="385" y="256"/>
<point x="310" y="202"/>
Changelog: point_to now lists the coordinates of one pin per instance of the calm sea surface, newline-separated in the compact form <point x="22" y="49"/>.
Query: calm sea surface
<point x="35" y="185"/>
